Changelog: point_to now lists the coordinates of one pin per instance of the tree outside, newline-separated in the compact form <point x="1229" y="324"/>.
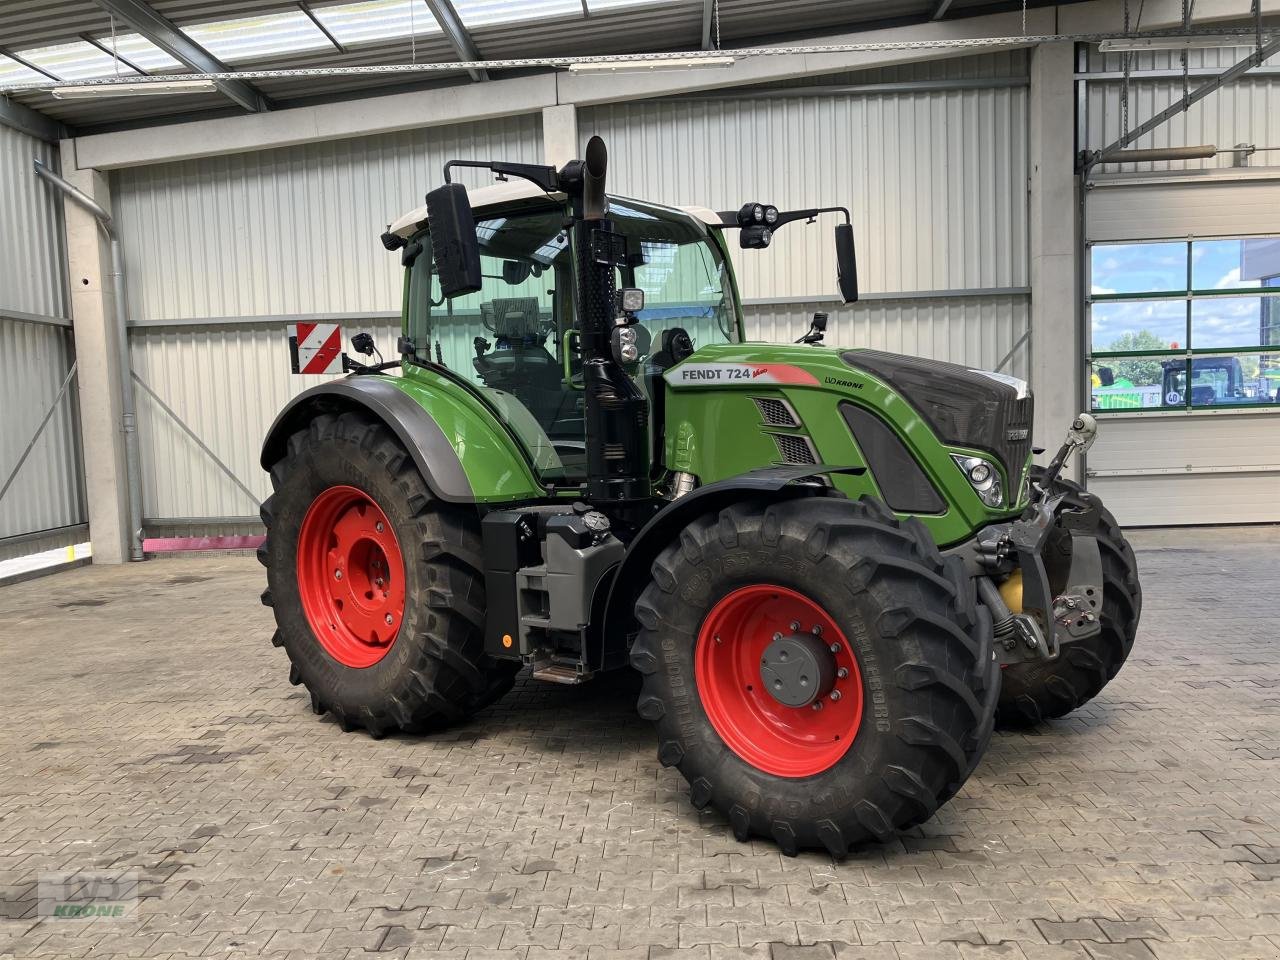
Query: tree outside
<point x="1139" y="373"/>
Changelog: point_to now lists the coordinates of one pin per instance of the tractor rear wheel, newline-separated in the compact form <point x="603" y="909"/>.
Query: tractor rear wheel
<point x="816" y="670"/>
<point x="375" y="584"/>
<point x="1036" y="691"/>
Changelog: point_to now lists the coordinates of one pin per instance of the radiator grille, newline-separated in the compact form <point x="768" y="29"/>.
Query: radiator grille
<point x="776" y="413"/>
<point x="794" y="449"/>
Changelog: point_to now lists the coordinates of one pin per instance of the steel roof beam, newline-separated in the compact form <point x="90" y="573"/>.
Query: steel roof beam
<point x="453" y="28"/>
<point x="708" y="16"/>
<point x="31" y="122"/>
<point x="941" y="9"/>
<point x="165" y="35"/>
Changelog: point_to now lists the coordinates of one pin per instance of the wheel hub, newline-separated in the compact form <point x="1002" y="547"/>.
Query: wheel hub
<point x="351" y="576"/>
<point x="778" y="680"/>
<point x="797" y="669"/>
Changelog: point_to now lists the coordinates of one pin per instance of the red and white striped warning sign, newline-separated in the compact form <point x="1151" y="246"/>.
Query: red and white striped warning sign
<point x="315" y="347"/>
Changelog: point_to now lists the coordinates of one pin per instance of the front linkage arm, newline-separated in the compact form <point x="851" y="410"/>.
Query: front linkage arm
<point x="1045" y="621"/>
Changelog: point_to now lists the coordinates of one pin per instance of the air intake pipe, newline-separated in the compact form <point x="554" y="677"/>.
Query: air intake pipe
<point x="617" y="412"/>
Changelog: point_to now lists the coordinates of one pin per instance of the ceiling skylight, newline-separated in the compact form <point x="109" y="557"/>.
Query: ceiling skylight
<point x="485" y="13"/>
<point x="75" y="61"/>
<point x="594" y="5"/>
<point x="13" y="72"/>
<point x="250" y="38"/>
<point x="370" y="20"/>
<point x="142" y="53"/>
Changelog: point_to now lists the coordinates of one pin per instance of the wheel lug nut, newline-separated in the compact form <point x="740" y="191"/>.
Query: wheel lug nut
<point x="842" y="672"/>
<point x="795" y="626"/>
<point x="777" y="636"/>
<point x="389" y="619"/>
<point x="835" y="694"/>
<point x="817" y="630"/>
<point x="337" y="574"/>
<point x="835" y="648"/>
<point x="379" y="526"/>
<point x="817" y="704"/>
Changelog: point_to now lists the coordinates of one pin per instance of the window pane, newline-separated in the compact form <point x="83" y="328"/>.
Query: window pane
<point x="247" y="38"/>
<point x="1138" y="383"/>
<point x="1232" y="264"/>
<point x="1235" y="322"/>
<point x="1139" y="325"/>
<point x="484" y="13"/>
<point x="142" y="53"/>
<point x="371" y="20"/>
<point x="1243" y="378"/>
<point x="1139" y="267"/>
<point x="75" y="61"/>
<point x="13" y="72"/>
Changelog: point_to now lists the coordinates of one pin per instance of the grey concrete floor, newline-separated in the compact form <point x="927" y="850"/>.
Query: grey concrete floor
<point x="150" y="728"/>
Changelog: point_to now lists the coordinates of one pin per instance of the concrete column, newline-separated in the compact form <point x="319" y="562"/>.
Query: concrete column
<point x="1056" y="363"/>
<point x="560" y="134"/>
<point x="98" y="368"/>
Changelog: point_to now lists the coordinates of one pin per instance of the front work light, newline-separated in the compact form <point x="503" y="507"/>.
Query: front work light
<point x="631" y="299"/>
<point x="983" y="477"/>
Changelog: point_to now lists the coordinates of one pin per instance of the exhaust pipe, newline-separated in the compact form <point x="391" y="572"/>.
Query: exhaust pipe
<point x="593" y="170"/>
<point x="617" y="412"/>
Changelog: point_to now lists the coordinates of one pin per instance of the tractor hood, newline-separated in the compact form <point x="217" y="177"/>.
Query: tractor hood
<point x="963" y="407"/>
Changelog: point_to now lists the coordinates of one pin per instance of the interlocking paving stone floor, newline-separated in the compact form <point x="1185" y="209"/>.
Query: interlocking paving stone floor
<point x="150" y="725"/>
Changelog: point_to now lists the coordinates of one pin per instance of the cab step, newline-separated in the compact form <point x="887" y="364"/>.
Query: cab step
<point x="555" y="672"/>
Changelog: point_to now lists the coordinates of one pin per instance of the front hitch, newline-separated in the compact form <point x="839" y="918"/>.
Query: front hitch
<point x="1046" y="620"/>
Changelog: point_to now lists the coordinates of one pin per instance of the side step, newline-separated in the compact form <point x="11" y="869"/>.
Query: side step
<point x="553" y="672"/>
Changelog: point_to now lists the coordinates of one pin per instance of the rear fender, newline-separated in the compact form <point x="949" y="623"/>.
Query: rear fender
<point x="769" y="483"/>
<point x="413" y="426"/>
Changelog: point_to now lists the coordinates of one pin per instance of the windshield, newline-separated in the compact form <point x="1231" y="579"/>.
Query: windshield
<point x="515" y="338"/>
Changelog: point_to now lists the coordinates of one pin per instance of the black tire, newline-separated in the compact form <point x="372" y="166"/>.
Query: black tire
<point x="924" y="648"/>
<point x="435" y="673"/>
<point x="1036" y="691"/>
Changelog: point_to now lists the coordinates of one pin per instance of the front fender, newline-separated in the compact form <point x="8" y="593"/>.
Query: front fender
<point x="767" y="483"/>
<point x="413" y="426"/>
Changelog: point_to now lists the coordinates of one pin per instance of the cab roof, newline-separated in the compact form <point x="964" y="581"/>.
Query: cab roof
<point x="512" y="191"/>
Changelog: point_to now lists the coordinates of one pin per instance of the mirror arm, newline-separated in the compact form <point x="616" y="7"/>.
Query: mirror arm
<point x="730" y="218"/>
<point x="548" y="178"/>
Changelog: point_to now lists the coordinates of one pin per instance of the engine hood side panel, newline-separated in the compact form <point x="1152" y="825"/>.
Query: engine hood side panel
<point x="715" y="428"/>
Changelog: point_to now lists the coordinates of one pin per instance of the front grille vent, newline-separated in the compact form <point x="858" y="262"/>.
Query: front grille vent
<point x="776" y="413"/>
<point x="794" y="449"/>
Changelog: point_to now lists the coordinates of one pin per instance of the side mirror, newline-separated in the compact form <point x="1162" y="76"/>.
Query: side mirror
<point x="453" y="240"/>
<point x="846" y="263"/>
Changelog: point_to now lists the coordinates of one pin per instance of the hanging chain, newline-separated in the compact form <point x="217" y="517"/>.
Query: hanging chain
<point x="413" y="35"/>
<point x="1024" y="17"/>
<point x="1186" y="71"/>
<point x="1127" y="62"/>
<point x="715" y="11"/>
<point x="115" y="54"/>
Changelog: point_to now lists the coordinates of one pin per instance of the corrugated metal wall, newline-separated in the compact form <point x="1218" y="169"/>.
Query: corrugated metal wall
<point x="227" y="383"/>
<point x="32" y="254"/>
<point x="282" y="232"/>
<point x="1246" y="111"/>
<point x="35" y="355"/>
<point x="292" y="231"/>
<point x="936" y="182"/>
<point x="978" y="331"/>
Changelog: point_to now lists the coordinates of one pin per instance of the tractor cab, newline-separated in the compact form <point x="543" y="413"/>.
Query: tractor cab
<point x="518" y="338"/>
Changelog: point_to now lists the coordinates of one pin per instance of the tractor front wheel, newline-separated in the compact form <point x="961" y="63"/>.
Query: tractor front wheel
<point x="375" y="584"/>
<point x="816" y="670"/>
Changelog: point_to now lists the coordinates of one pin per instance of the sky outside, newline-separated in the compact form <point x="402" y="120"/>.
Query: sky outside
<point x="1162" y="267"/>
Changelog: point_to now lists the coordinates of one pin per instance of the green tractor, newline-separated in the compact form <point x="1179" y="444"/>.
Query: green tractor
<point x="835" y="569"/>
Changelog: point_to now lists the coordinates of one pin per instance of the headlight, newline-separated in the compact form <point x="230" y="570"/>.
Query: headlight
<point x="628" y="353"/>
<point x="771" y="215"/>
<point x="757" y="213"/>
<point x="983" y="477"/>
